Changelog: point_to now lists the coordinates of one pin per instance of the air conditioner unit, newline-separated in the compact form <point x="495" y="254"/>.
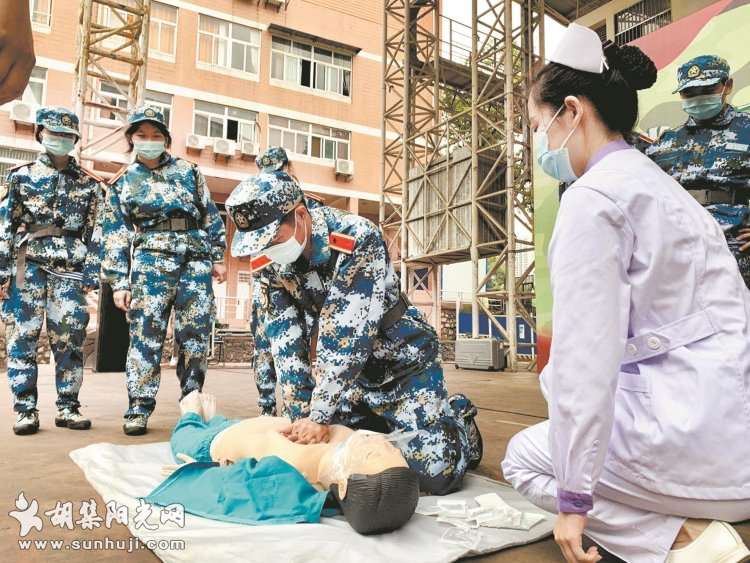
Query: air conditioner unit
<point x="345" y="168"/>
<point x="480" y="353"/>
<point x="249" y="148"/>
<point x="194" y="142"/>
<point x="22" y="112"/>
<point x="224" y="147"/>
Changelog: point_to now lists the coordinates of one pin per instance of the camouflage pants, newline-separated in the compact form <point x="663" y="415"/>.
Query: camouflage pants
<point x="159" y="282"/>
<point x="440" y="451"/>
<point x="64" y="304"/>
<point x="743" y="258"/>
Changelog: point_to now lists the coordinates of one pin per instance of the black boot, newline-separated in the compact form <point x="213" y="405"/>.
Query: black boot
<point x="135" y="425"/>
<point x="26" y="423"/>
<point x="465" y="409"/>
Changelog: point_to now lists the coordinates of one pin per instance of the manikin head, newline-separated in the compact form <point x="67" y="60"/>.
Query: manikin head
<point x="372" y="482"/>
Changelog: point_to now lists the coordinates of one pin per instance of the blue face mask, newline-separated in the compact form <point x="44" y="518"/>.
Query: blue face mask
<point x="704" y="107"/>
<point x="149" y="149"/>
<point x="58" y="146"/>
<point x="554" y="162"/>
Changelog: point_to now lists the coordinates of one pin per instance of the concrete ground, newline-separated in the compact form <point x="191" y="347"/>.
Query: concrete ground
<point x="40" y="467"/>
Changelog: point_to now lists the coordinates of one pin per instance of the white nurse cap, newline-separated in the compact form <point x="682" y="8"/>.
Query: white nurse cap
<point x="580" y="48"/>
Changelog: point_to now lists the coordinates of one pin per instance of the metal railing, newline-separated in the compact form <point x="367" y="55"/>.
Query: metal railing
<point x="641" y="19"/>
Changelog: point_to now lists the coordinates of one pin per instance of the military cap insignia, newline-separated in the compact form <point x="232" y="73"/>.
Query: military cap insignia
<point x="149" y="113"/>
<point x="65" y="120"/>
<point x="241" y="221"/>
<point x="694" y="71"/>
<point x="342" y="243"/>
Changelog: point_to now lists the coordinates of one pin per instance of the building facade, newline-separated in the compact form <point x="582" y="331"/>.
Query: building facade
<point x="234" y="77"/>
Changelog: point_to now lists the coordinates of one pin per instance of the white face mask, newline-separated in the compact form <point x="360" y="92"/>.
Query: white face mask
<point x="289" y="251"/>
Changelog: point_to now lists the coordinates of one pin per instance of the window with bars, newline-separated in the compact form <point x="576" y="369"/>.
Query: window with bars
<point x="601" y="31"/>
<point x="10" y="157"/>
<point x="162" y="35"/>
<point x="116" y="97"/>
<point x="311" y="67"/>
<point x="41" y="14"/>
<point x="641" y="19"/>
<point x="36" y="89"/>
<point x="224" y="122"/>
<point x="226" y="45"/>
<point x="308" y="139"/>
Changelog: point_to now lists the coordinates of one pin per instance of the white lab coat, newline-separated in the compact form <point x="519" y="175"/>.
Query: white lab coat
<point x="649" y="376"/>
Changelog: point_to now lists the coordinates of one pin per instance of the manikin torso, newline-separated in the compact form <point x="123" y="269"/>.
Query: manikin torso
<point x="260" y="437"/>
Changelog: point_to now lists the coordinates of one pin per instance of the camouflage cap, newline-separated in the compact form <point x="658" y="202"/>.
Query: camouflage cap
<point x="257" y="206"/>
<point x="147" y="113"/>
<point x="58" y="120"/>
<point x="275" y="158"/>
<point x="705" y="70"/>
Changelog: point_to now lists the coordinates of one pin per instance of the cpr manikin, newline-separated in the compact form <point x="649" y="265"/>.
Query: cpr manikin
<point x="366" y="473"/>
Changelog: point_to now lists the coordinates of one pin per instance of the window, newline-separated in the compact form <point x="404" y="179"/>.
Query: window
<point x="41" y="14"/>
<point x="162" y="35"/>
<point x="521" y="331"/>
<point x="117" y="97"/>
<point x="10" y="157"/>
<point x="641" y="19"/>
<point x="308" y="139"/>
<point x="311" y="67"/>
<point x="224" y="122"/>
<point x="228" y="45"/>
<point x="36" y="90"/>
<point x="111" y="18"/>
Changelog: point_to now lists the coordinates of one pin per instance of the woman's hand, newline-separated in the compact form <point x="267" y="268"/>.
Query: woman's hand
<point x="744" y="236"/>
<point x="219" y="272"/>
<point x="122" y="299"/>
<point x="569" y="536"/>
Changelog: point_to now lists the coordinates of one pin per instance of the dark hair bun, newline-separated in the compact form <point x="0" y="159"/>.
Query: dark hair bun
<point x="632" y="63"/>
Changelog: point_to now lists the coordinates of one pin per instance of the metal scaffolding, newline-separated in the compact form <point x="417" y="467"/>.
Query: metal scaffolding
<point x="457" y="166"/>
<point x="112" y="49"/>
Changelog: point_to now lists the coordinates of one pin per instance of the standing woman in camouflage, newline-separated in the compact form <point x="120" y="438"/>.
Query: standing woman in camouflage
<point x="49" y="258"/>
<point x="164" y="240"/>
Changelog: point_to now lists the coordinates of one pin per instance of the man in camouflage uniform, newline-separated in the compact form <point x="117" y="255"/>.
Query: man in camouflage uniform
<point x="160" y="208"/>
<point x="347" y="346"/>
<point x="265" y="373"/>
<point x="710" y="154"/>
<point x="49" y="259"/>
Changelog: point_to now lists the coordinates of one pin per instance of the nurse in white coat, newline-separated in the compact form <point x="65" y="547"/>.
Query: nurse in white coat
<point x="648" y="384"/>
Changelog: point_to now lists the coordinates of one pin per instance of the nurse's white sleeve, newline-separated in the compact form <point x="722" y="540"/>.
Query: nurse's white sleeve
<point x="588" y="258"/>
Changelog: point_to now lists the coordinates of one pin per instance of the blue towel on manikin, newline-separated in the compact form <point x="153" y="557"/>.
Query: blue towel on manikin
<point x="269" y="491"/>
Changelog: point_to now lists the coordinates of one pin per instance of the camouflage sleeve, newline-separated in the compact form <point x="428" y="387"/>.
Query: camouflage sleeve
<point x="349" y="322"/>
<point x="10" y="214"/>
<point x="212" y="222"/>
<point x="287" y="334"/>
<point x="93" y="238"/>
<point x="265" y="374"/>
<point x="118" y="234"/>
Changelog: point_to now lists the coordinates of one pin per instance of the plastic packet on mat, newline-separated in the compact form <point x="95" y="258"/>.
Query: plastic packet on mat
<point x="453" y="508"/>
<point x="470" y="539"/>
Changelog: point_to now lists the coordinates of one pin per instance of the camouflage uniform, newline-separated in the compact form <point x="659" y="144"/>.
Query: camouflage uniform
<point x="265" y="373"/>
<point x="49" y="251"/>
<point x="166" y="217"/>
<point x="712" y="156"/>
<point x="331" y="313"/>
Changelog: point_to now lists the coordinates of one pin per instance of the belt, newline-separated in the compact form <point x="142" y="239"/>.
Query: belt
<point x="663" y="340"/>
<point x="171" y="224"/>
<point x="37" y="232"/>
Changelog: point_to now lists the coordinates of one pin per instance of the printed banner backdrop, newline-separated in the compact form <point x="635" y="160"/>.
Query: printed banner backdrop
<point x="718" y="29"/>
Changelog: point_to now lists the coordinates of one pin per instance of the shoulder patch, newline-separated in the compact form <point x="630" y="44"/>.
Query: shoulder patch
<point x="342" y="243"/>
<point x="19" y="166"/>
<point x="90" y="174"/>
<point x="260" y="262"/>
<point x="315" y="198"/>
<point x="118" y="175"/>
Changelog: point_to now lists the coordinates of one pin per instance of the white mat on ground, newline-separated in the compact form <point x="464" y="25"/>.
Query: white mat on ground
<point x="122" y="473"/>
